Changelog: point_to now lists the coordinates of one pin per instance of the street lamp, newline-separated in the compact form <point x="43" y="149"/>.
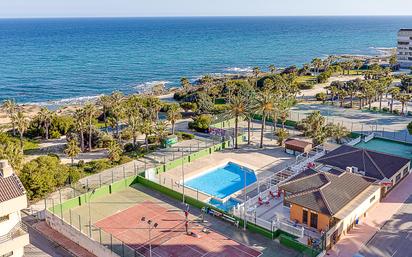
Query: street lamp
<point x="90" y="213"/>
<point x="151" y="226"/>
<point x="244" y="205"/>
<point x="183" y="179"/>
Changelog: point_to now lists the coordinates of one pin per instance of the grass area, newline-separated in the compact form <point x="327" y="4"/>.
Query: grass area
<point x="30" y="144"/>
<point x="302" y="79"/>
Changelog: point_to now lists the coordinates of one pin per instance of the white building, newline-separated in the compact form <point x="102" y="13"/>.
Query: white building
<point x="13" y="233"/>
<point x="404" y="52"/>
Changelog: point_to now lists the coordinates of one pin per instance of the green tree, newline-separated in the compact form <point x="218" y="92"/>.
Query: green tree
<point x="204" y="103"/>
<point x="72" y="149"/>
<point x="114" y="151"/>
<point x="22" y="124"/>
<point x="272" y="69"/>
<point x="282" y="135"/>
<point x="10" y="149"/>
<point x="43" y="175"/>
<point x="409" y="128"/>
<point x="337" y="131"/>
<point x="173" y="115"/>
<point x="185" y="83"/>
<point x="45" y="118"/>
<point x="90" y="111"/>
<point x="238" y="109"/>
<point x="317" y="64"/>
<point x="160" y="130"/>
<point x="80" y="125"/>
<point x="146" y="128"/>
<point x="117" y="110"/>
<point x="403" y="98"/>
<point x="314" y="127"/>
<point x="264" y="106"/>
<point x="106" y="104"/>
<point x="10" y="107"/>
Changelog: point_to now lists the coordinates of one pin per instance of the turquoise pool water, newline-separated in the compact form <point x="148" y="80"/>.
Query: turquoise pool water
<point x="226" y="206"/>
<point x="223" y="181"/>
<point x="388" y="146"/>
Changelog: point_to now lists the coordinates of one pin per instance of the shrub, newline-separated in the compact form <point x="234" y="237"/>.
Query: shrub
<point x="396" y="112"/>
<point x="185" y="136"/>
<point x="129" y="147"/>
<point x="375" y="109"/>
<point x="219" y="108"/>
<point x="321" y="96"/>
<point x="186" y="106"/>
<point x="409" y="113"/>
<point x="201" y="123"/>
<point x="324" y="76"/>
<point x="74" y="175"/>
<point x="385" y="109"/>
<point x="97" y="166"/>
<point x="306" y="85"/>
<point x="55" y="134"/>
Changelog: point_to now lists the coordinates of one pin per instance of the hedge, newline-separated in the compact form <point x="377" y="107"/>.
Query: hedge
<point x="289" y="123"/>
<point x="298" y="246"/>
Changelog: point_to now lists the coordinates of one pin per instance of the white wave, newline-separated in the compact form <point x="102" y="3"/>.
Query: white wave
<point x="67" y="101"/>
<point x="239" y="69"/>
<point x="144" y="87"/>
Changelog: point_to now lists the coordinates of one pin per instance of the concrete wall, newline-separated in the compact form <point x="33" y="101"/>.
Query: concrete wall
<point x="342" y="226"/>
<point x="13" y="205"/>
<point x="76" y="236"/>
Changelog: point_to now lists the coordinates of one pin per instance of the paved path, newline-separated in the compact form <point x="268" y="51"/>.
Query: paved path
<point x="352" y="242"/>
<point x="395" y="238"/>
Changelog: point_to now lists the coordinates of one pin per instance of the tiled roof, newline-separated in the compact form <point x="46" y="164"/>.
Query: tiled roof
<point x="325" y="192"/>
<point x="374" y="164"/>
<point x="10" y="187"/>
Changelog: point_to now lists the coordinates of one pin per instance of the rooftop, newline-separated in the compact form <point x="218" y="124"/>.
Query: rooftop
<point x="325" y="192"/>
<point x="375" y="164"/>
<point x="10" y="185"/>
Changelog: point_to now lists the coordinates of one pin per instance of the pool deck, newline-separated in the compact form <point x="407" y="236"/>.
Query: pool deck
<point x="265" y="162"/>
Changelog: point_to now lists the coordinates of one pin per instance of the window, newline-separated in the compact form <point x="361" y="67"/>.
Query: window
<point x="398" y="177"/>
<point x="314" y="220"/>
<point x="405" y="172"/>
<point x="4" y="218"/>
<point x="372" y="199"/>
<point x="305" y="216"/>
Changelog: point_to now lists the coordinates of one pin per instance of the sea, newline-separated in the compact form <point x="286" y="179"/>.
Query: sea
<point x="65" y="61"/>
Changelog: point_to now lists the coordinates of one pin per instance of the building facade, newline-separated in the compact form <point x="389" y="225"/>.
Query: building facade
<point x="13" y="233"/>
<point x="404" y="52"/>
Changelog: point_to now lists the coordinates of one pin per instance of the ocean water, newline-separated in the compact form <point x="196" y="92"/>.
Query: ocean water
<point x="64" y="60"/>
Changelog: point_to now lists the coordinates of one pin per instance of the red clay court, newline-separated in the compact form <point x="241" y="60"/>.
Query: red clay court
<point x="169" y="239"/>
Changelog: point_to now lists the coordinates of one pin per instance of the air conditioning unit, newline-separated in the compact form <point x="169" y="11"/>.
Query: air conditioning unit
<point x="355" y="169"/>
<point x="349" y="169"/>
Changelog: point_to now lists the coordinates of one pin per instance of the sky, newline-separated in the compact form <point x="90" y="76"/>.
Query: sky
<point x="143" y="8"/>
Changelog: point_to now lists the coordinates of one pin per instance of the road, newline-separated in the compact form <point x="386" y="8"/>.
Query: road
<point x="395" y="237"/>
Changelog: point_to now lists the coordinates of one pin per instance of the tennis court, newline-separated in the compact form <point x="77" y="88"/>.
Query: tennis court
<point x="169" y="237"/>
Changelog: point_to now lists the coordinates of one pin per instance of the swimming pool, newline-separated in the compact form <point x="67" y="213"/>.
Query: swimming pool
<point x="387" y="146"/>
<point x="225" y="206"/>
<point x="222" y="181"/>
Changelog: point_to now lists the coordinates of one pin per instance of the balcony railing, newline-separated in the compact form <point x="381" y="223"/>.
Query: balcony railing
<point x="18" y="230"/>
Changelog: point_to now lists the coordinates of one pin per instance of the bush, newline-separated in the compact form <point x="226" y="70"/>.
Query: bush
<point x="409" y="113"/>
<point x="396" y="111"/>
<point x="321" y="96"/>
<point x="97" y="166"/>
<point x="43" y="175"/>
<point x="375" y="109"/>
<point x="385" y="109"/>
<point x="324" y="76"/>
<point x="306" y="85"/>
<point x="185" y="136"/>
<point x="129" y="147"/>
<point x="201" y="123"/>
<point x="55" y="134"/>
<point x="220" y="108"/>
<point x="152" y="139"/>
<point x="74" y="175"/>
<point x="186" y="106"/>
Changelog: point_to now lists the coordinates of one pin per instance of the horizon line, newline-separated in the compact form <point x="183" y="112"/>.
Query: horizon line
<point x="204" y="16"/>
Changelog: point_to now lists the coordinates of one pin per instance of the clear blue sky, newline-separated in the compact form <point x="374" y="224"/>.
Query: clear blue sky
<point x="121" y="8"/>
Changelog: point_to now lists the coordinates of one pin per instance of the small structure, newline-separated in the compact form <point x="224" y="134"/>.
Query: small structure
<point x="169" y="141"/>
<point x="328" y="202"/>
<point x="296" y="146"/>
<point x="387" y="169"/>
<point x="13" y="233"/>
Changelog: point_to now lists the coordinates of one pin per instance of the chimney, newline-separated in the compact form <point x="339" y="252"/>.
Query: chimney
<point x="5" y="169"/>
<point x="355" y="169"/>
<point x="349" y="169"/>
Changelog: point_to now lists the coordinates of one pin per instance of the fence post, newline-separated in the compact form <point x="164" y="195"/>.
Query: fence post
<point x="124" y="173"/>
<point x="70" y="216"/>
<point x="111" y="242"/>
<point x="80" y="223"/>
<point x="100" y="180"/>
<point x="100" y="235"/>
<point x="112" y="177"/>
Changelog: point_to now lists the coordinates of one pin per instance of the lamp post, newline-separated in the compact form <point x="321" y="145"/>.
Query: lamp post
<point x="183" y="179"/>
<point x="151" y="226"/>
<point x="244" y="205"/>
<point x="90" y="213"/>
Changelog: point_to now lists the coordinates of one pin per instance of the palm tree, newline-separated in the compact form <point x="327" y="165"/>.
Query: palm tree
<point x="272" y="69"/>
<point x="133" y="111"/>
<point x="282" y="135"/>
<point x="116" y="99"/>
<point x="90" y="111"/>
<point x="357" y="65"/>
<point x="106" y="104"/>
<point x="173" y="115"/>
<point x="338" y="131"/>
<point x="238" y="109"/>
<point x="45" y="118"/>
<point x="394" y="92"/>
<point x="317" y="64"/>
<point x="314" y="127"/>
<point x="264" y="106"/>
<point x="146" y="128"/>
<point x="72" y="149"/>
<point x="403" y="98"/>
<point x="256" y="72"/>
<point x="161" y="130"/>
<point x="80" y="125"/>
<point x="114" y="151"/>
<point x="10" y="107"/>
<point x="22" y="123"/>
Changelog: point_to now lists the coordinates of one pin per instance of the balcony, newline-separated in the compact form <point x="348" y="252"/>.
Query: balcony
<point x="16" y="238"/>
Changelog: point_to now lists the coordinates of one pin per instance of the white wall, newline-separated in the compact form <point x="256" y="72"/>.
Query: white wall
<point x="6" y="226"/>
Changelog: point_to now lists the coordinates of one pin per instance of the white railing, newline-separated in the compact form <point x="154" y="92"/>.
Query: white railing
<point x="369" y="138"/>
<point x="296" y="231"/>
<point x="355" y="141"/>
